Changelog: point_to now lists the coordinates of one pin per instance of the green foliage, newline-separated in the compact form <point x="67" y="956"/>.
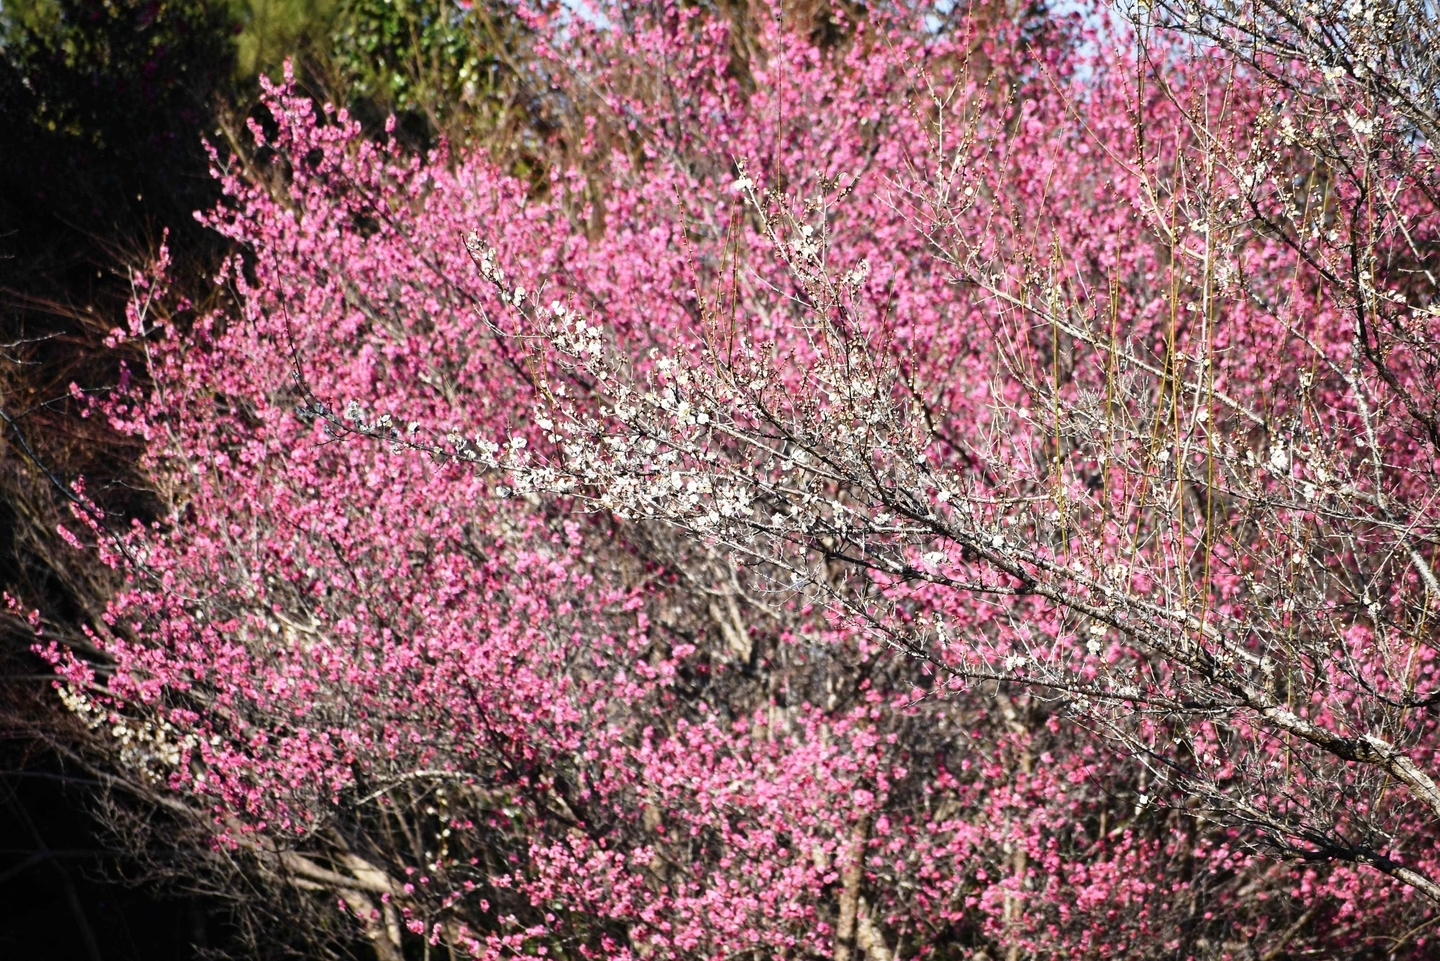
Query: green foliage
<point x="447" y="64"/>
<point x="443" y="65"/>
<point x="89" y="65"/>
<point x="273" y="30"/>
<point x="103" y="104"/>
<point x="443" y="59"/>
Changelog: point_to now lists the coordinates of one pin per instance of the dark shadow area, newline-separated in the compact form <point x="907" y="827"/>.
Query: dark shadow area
<point x="102" y="106"/>
<point x="58" y="882"/>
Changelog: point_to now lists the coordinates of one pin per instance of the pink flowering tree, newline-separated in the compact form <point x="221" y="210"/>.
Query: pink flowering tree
<point x="927" y="482"/>
<point x="1128" y="502"/>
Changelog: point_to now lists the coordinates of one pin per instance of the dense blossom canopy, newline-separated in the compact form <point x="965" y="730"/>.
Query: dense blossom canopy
<point x="858" y="501"/>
